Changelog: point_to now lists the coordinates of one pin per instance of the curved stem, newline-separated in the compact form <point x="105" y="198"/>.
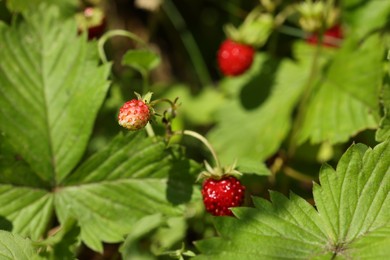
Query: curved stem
<point x="204" y="141"/>
<point x="114" y="33"/>
<point x="155" y="102"/>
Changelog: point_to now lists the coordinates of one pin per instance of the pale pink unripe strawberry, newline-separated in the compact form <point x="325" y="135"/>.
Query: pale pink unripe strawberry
<point x="134" y="114"/>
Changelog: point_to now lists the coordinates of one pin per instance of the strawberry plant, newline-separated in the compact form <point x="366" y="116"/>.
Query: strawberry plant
<point x="281" y="152"/>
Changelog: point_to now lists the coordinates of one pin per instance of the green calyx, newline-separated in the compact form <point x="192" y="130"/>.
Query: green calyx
<point x="218" y="172"/>
<point x="147" y="100"/>
<point x="254" y="31"/>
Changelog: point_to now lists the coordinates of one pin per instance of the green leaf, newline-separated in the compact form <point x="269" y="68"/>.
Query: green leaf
<point x="346" y="101"/>
<point x="254" y="124"/>
<point x="364" y="16"/>
<point x="383" y="132"/>
<point x="353" y="200"/>
<point x="141" y="60"/>
<point x="197" y="109"/>
<point x="253" y="167"/>
<point x="132" y="178"/>
<point x="169" y="235"/>
<point x="14" y="170"/>
<point x="143" y="227"/>
<point x="62" y="244"/>
<point x="29" y="209"/>
<point x="166" y="233"/>
<point x="51" y="90"/>
<point x="13" y="246"/>
<point x="22" y="5"/>
<point x="352" y="221"/>
<point x="374" y="245"/>
<point x="284" y="229"/>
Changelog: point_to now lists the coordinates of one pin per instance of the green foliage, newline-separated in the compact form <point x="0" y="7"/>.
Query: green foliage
<point x="351" y="218"/>
<point x="255" y="115"/>
<point x="51" y="90"/>
<point x="383" y="133"/>
<point x="346" y="100"/>
<point x="13" y="246"/>
<point x="141" y="60"/>
<point x="66" y="6"/>
<point x="137" y="176"/>
<point x="364" y="17"/>
<point x="52" y="87"/>
<point x="69" y="180"/>
<point x="62" y="243"/>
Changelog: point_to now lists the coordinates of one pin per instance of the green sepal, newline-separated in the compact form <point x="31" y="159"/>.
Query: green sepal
<point x="254" y="31"/>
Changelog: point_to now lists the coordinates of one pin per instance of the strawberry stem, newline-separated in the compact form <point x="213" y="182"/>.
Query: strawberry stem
<point x="149" y="130"/>
<point x="155" y="102"/>
<point x="204" y="141"/>
<point x="114" y="33"/>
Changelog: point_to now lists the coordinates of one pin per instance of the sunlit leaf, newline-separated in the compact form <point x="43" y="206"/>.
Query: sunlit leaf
<point x="383" y="132"/>
<point x="351" y="220"/>
<point x="51" y="90"/>
<point x="141" y="60"/>
<point x="364" y="16"/>
<point x="22" y="5"/>
<point x="29" y="209"/>
<point x="13" y="246"/>
<point x="347" y="100"/>
<point x="132" y="178"/>
<point x="253" y="127"/>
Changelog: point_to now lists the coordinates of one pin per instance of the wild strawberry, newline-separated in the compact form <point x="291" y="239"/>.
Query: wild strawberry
<point x="134" y="114"/>
<point x="220" y="195"/>
<point x="332" y="37"/>
<point x="234" y="58"/>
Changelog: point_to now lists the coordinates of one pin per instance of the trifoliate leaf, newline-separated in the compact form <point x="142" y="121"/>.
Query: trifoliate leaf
<point x="351" y="219"/>
<point x="51" y="88"/>
<point x="132" y="178"/>
<point x="13" y="246"/>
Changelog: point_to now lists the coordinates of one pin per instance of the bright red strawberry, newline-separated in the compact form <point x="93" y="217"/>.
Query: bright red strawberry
<point x="220" y="195"/>
<point x="234" y="58"/>
<point x="134" y="114"/>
